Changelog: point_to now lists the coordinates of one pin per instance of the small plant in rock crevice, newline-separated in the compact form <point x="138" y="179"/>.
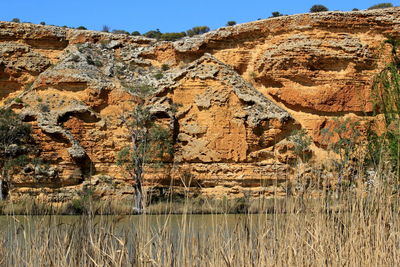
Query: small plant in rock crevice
<point x="302" y="144"/>
<point x="44" y="108"/>
<point x="159" y="76"/>
<point x="164" y="67"/>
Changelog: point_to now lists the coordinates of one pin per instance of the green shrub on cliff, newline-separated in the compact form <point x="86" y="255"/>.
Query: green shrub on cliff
<point x="156" y="34"/>
<point x="276" y="14"/>
<point x="172" y="36"/>
<point x="302" y="144"/>
<point x="387" y="102"/>
<point x="318" y="8"/>
<point x="14" y="134"/>
<point x="197" y="30"/>
<point x="158" y="75"/>
<point x="105" y="28"/>
<point x="120" y="32"/>
<point x="135" y="33"/>
<point x="381" y="5"/>
<point x="165" y="67"/>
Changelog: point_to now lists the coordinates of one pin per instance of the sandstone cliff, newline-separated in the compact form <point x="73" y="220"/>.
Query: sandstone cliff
<point x="240" y="92"/>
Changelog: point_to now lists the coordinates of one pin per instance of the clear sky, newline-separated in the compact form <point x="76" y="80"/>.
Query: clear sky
<point x="168" y="16"/>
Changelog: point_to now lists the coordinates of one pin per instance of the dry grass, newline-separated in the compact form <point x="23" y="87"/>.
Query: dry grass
<point x="348" y="230"/>
<point x="341" y="225"/>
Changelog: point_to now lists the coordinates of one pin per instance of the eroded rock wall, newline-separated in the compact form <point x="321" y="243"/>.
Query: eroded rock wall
<point x="239" y="92"/>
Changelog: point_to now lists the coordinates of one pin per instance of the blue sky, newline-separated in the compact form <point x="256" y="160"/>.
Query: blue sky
<point x="168" y="16"/>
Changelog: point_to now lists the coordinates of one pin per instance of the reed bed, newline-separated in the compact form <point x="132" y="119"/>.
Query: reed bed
<point x="346" y="229"/>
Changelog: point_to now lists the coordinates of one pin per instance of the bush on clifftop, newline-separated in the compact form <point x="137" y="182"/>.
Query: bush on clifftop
<point x="381" y="5"/>
<point x="197" y="30"/>
<point x="105" y="28"/>
<point x="318" y="8"/>
<point x="156" y="34"/>
<point x="172" y="36"/>
<point x="276" y="14"/>
<point x="120" y="32"/>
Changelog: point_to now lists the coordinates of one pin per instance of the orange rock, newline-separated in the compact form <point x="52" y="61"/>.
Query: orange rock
<point x="238" y="92"/>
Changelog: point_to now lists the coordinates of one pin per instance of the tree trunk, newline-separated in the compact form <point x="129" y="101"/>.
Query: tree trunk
<point x="3" y="185"/>
<point x="1" y="189"/>
<point x="138" y="207"/>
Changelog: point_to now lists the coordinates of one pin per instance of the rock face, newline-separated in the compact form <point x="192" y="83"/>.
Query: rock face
<point x="236" y="95"/>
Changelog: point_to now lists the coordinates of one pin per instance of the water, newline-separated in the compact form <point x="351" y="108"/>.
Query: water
<point x="177" y="231"/>
<point x="203" y="222"/>
<point x="140" y="225"/>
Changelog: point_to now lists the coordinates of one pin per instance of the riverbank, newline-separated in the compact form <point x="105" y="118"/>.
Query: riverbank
<point x="315" y="201"/>
<point x="196" y="205"/>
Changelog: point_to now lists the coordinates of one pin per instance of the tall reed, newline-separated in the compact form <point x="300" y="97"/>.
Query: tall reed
<point x="349" y="229"/>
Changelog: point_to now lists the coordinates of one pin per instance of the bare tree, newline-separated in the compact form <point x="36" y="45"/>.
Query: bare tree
<point x="149" y="143"/>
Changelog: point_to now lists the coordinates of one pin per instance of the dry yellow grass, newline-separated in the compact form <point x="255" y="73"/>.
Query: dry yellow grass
<point x="346" y="230"/>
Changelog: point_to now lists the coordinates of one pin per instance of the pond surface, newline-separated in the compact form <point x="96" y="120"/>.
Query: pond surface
<point x="207" y="222"/>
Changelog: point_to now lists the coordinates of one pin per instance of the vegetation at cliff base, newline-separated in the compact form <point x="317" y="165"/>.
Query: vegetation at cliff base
<point x="149" y="142"/>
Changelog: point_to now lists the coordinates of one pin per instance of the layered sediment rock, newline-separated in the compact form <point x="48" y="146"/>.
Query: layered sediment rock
<point x="238" y="93"/>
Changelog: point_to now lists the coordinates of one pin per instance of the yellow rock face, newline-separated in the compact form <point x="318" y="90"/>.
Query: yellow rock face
<point x="238" y="93"/>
